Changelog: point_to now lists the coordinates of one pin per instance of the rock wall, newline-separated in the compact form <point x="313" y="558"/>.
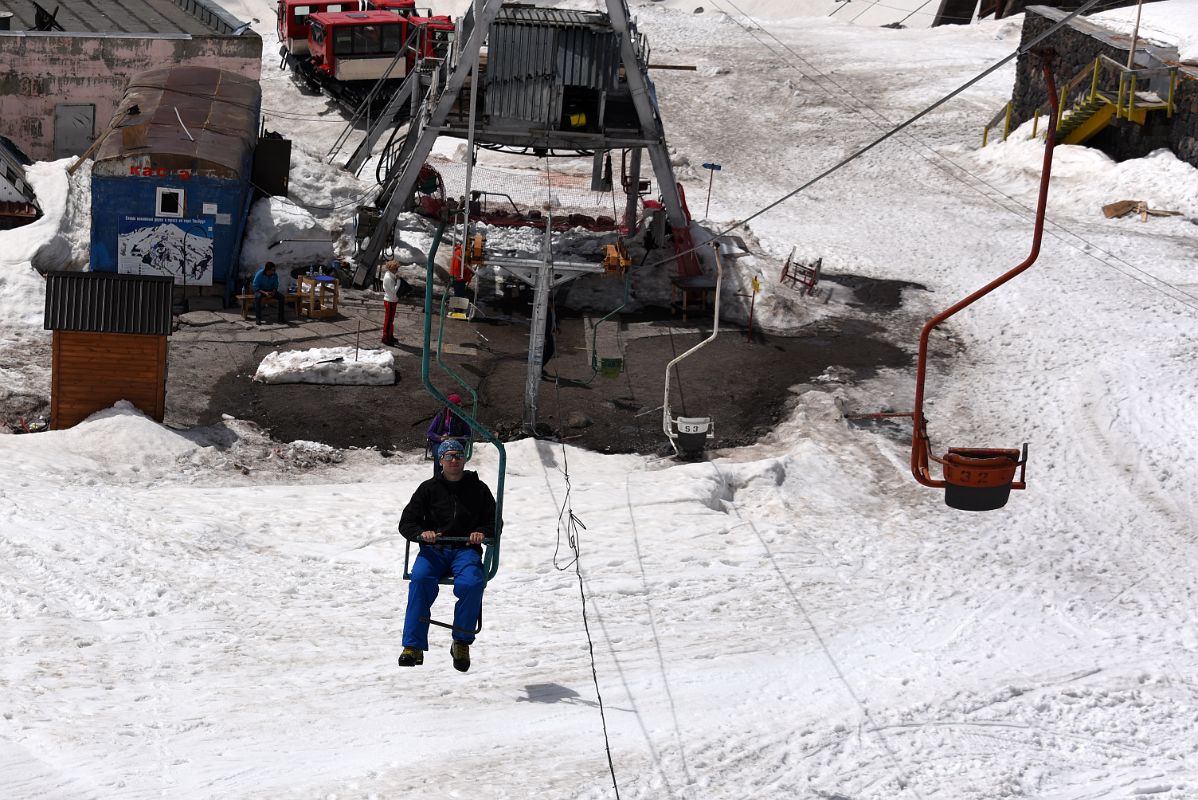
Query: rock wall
<point x="1183" y="133"/>
<point x="1075" y="47"/>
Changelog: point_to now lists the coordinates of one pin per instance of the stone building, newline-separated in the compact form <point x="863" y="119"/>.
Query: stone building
<point x="63" y="72"/>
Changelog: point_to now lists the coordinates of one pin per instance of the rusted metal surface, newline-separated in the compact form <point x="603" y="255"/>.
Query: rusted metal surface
<point x="194" y="17"/>
<point x="199" y="119"/>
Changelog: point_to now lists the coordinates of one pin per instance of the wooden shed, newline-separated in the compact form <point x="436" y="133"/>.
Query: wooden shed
<point x="110" y="343"/>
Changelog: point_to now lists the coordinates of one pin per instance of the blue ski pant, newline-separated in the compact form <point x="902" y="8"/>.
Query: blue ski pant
<point x="430" y="565"/>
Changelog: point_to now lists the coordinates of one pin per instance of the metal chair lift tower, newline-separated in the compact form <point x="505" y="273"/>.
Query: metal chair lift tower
<point x="597" y="98"/>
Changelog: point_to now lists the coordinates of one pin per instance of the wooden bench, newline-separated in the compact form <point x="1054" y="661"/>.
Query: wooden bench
<point x="247" y="302"/>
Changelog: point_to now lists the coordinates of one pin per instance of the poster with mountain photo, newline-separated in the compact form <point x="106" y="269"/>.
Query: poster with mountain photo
<point x="157" y="246"/>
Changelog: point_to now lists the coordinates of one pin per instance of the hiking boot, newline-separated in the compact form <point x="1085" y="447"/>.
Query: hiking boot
<point x="461" y="656"/>
<point x="411" y="657"/>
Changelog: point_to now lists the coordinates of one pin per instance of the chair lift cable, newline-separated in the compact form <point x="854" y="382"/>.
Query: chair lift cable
<point x="898" y="128"/>
<point x="1020" y="209"/>
<point x="567" y="518"/>
<point x="572" y="523"/>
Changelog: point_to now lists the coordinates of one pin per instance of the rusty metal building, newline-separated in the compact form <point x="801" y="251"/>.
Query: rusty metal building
<point x="171" y="182"/>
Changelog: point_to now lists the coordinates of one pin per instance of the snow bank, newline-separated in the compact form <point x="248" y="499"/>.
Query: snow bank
<point x="1172" y="22"/>
<point x="346" y="366"/>
<point x="114" y="444"/>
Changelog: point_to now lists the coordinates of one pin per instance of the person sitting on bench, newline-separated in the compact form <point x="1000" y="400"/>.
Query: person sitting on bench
<point x="266" y="287"/>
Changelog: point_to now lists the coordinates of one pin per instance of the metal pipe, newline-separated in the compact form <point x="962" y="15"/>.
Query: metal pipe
<point x="715" y="329"/>
<point x="464" y="238"/>
<point x="1135" y="35"/>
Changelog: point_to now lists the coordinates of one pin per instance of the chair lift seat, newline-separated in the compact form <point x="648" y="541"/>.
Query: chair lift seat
<point x="693" y="433"/>
<point x="611" y="367"/>
<point x="460" y="308"/>
<point x="979" y="479"/>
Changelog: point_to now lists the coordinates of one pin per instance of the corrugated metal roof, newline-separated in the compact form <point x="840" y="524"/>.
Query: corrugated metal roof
<point x="195" y="17"/>
<point x="533" y="53"/>
<point x="107" y="302"/>
<point x="218" y="110"/>
<point x="558" y="17"/>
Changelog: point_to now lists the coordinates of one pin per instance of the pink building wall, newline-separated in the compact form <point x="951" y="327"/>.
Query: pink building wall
<point x="39" y="71"/>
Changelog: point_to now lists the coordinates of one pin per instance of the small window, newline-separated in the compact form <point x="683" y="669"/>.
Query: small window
<point x="169" y="202"/>
<point x="366" y="39"/>
<point x="391" y="38"/>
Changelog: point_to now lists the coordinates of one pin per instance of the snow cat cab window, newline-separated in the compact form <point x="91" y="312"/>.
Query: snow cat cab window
<point x="367" y="39"/>
<point x="169" y="202"/>
<point x="392" y="38"/>
<point x="439" y="42"/>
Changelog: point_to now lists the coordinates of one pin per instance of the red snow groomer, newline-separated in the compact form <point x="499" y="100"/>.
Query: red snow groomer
<point x="292" y="18"/>
<point x="347" y="52"/>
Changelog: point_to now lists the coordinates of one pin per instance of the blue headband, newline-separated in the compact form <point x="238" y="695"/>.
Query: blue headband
<point x="450" y="446"/>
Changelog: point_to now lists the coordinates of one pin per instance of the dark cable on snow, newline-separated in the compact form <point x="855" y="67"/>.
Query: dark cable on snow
<point x="572" y="523"/>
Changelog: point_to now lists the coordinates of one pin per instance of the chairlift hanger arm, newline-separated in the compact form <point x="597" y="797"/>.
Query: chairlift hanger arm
<point x="920" y="442"/>
<point x="491" y="555"/>
<point x="666" y="418"/>
<point x="525" y="269"/>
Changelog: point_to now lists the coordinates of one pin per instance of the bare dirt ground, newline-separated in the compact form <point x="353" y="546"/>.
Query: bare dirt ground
<point x="741" y="384"/>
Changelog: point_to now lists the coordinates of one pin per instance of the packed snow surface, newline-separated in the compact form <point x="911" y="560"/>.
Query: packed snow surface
<point x="210" y="614"/>
<point x="335" y="365"/>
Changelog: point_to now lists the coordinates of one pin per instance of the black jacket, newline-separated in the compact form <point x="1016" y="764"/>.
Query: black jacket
<point x="451" y="508"/>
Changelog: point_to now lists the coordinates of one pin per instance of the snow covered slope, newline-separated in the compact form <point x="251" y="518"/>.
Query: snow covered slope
<point x="207" y="614"/>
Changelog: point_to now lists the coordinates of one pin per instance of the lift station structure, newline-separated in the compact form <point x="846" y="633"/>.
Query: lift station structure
<point x="551" y="82"/>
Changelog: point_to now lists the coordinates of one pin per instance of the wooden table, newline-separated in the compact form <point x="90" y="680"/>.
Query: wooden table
<point x="319" y="295"/>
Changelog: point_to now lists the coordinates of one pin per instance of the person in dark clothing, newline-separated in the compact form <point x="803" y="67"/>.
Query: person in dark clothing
<point x="455" y="504"/>
<point x="266" y="285"/>
<point x="446" y="425"/>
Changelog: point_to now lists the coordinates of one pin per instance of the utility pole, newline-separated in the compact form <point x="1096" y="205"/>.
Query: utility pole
<point x="714" y="168"/>
<point x="1135" y="35"/>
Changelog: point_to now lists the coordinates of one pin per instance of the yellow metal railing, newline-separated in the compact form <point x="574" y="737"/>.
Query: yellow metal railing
<point x="1004" y="114"/>
<point x="1120" y="88"/>
<point x="1125" y="93"/>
